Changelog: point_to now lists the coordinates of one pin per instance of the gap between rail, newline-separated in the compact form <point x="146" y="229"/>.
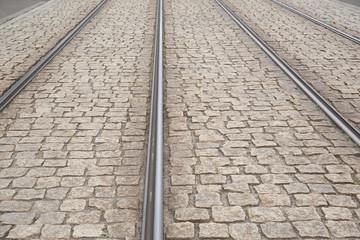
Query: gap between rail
<point x="330" y="111"/>
<point x="331" y="28"/>
<point x="15" y="89"/>
<point x="152" y="222"/>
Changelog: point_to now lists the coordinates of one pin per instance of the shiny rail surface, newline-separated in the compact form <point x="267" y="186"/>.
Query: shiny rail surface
<point x="15" y="89"/>
<point x="152" y="222"/>
<point x="330" y="111"/>
<point x="335" y="30"/>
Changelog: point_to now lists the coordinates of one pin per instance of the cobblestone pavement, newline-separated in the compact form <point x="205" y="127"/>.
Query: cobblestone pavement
<point x="10" y="9"/>
<point x="250" y="156"/>
<point x="338" y="14"/>
<point x="326" y="60"/>
<point x="25" y="39"/>
<point x="72" y="143"/>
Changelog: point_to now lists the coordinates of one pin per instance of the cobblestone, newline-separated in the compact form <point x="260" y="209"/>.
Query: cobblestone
<point x="121" y="230"/>
<point x="336" y="213"/>
<point x="207" y="199"/>
<point x="17" y="218"/>
<point x="191" y="214"/>
<point x="244" y="231"/>
<point x="84" y="217"/>
<point x="270" y="200"/>
<point x="4" y="229"/>
<point x="56" y="231"/>
<point x="242" y="199"/>
<point x="268" y="214"/>
<point x="311" y="229"/>
<point x="278" y="230"/>
<point x="51" y="218"/>
<point x="15" y="206"/>
<point x="24" y="231"/>
<point x="213" y="230"/>
<point x="296" y="188"/>
<point x="340" y="201"/>
<point x="302" y="214"/>
<point x="228" y="214"/>
<point x="343" y="229"/>
<point x="88" y="230"/>
<point x="312" y="199"/>
<point x="184" y="230"/>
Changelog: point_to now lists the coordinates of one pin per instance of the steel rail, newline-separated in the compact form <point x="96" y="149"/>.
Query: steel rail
<point x="330" y="111"/>
<point x="15" y="89"/>
<point x="335" y="30"/>
<point x="152" y="221"/>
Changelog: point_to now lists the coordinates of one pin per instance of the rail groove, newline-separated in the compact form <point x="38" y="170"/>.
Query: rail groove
<point x="15" y="89"/>
<point x="331" y="28"/>
<point x="330" y="111"/>
<point x="152" y="222"/>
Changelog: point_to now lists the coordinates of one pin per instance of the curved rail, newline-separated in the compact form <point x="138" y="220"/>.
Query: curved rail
<point x="335" y="30"/>
<point x="152" y="222"/>
<point x="330" y="111"/>
<point x="15" y="89"/>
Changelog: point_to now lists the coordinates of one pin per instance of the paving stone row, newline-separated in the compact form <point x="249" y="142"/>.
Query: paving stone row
<point x="72" y="143"/>
<point x="326" y="60"/>
<point x="250" y="157"/>
<point x="25" y="39"/>
<point x="335" y="13"/>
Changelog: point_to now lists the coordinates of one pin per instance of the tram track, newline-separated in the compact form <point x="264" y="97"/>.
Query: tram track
<point x="234" y="119"/>
<point x="19" y="85"/>
<point x="152" y="227"/>
<point x="152" y="223"/>
<point x="312" y="19"/>
<point x="325" y="106"/>
<point x="103" y="81"/>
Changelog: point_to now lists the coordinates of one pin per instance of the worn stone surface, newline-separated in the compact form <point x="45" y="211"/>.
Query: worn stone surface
<point x="17" y="218"/>
<point x="25" y="231"/>
<point x="213" y="230"/>
<point x="242" y="199"/>
<point x="4" y="229"/>
<point x="270" y="200"/>
<point x="88" y="230"/>
<point x="312" y="199"/>
<point x="302" y="213"/>
<point x="278" y="230"/>
<point x="207" y="199"/>
<point x="311" y="229"/>
<point x="341" y="201"/>
<point x="191" y="214"/>
<point x="184" y="230"/>
<point x="84" y="217"/>
<point x="244" y="231"/>
<point x="268" y="214"/>
<point x="343" y="229"/>
<point x="121" y="230"/>
<point x="228" y="214"/>
<point x="56" y="231"/>
<point x="337" y="213"/>
<point x="51" y="218"/>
